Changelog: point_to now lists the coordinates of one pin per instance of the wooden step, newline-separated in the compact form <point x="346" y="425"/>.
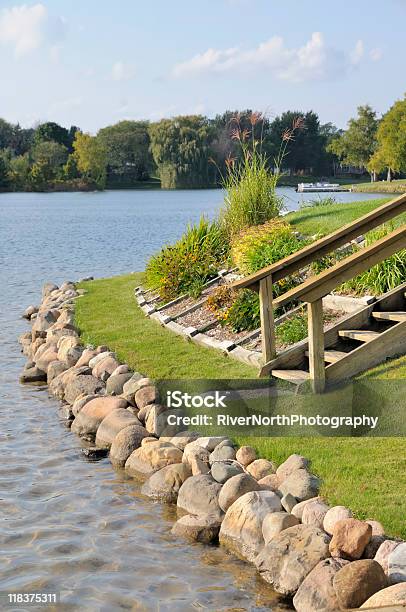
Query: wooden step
<point x="398" y="316"/>
<point x="331" y="356"/>
<point x="362" y="335"/>
<point x="297" y="377"/>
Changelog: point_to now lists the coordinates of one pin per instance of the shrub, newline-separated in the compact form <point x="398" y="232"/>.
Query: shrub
<point x="239" y="310"/>
<point x="325" y="201"/>
<point x="293" y="329"/>
<point x="184" y="267"/>
<point x="385" y="275"/>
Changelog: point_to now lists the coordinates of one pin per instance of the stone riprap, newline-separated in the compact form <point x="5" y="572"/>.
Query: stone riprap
<point x="272" y="516"/>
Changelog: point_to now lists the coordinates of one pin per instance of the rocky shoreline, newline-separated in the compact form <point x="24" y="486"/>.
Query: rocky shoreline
<point x="320" y="557"/>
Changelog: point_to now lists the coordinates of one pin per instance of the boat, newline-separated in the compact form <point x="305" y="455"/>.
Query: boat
<point x="319" y="187"/>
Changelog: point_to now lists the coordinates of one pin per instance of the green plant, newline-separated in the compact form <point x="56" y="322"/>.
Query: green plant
<point x="326" y="201"/>
<point x="244" y="312"/>
<point x="184" y="267"/>
<point x="293" y="330"/>
<point x="385" y="275"/>
<point x="249" y="182"/>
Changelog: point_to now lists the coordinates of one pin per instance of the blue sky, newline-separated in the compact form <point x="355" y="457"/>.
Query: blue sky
<point x="92" y="63"/>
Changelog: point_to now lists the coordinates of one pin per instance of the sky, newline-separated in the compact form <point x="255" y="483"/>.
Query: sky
<point x="92" y="63"/>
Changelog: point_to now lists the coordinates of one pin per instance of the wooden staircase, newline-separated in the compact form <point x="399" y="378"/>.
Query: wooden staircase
<point x="380" y="334"/>
<point x="356" y="343"/>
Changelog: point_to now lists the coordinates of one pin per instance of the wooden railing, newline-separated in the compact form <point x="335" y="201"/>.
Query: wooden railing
<point x="314" y="289"/>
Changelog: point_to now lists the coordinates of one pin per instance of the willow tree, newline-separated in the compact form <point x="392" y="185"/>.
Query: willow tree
<point x="181" y="151"/>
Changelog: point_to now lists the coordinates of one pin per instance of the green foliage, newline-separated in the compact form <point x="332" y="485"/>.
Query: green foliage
<point x="52" y="132"/>
<point x="186" y="265"/>
<point x="91" y="158"/>
<point x="358" y="143"/>
<point x="244" y="312"/>
<point x="4" y="172"/>
<point x="70" y="169"/>
<point x="319" y="201"/>
<point x="128" y="150"/>
<point x="293" y="330"/>
<point x="50" y="157"/>
<point x="180" y="147"/>
<point x="20" y="172"/>
<point x="385" y="275"/>
<point x="391" y="148"/>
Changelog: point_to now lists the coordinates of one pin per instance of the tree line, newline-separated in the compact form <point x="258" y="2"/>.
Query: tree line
<point x="192" y="151"/>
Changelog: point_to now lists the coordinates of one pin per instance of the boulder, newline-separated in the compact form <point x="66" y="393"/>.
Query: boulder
<point x="269" y="482"/>
<point x="222" y="453"/>
<point x="144" y="412"/>
<point x="73" y="355"/>
<point x="314" y="513"/>
<point x="288" y="502"/>
<point x="107" y="365"/>
<point x="333" y="515"/>
<point x="383" y="552"/>
<point x="33" y="375"/>
<point x="28" y="312"/>
<point x="260" y="468"/>
<point x="192" y="452"/>
<point x="198" y="466"/>
<point x="292" y="464"/>
<point x="246" y="455"/>
<point x="122" y="369"/>
<point x="164" y="484"/>
<point x="202" y="528"/>
<point x="199" y="495"/>
<point x="47" y="357"/>
<point x="350" y="537"/>
<point x="152" y="457"/>
<point x="301" y="484"/>
<point x="358" y="581"/>
<point x="65" y="343"/>
<point x="81" y="401"/>
<point x="146" y="395"/>
<point x="241" y="530"/>
<point x="373" y="546"/>
<point x="397" y="564"/>
<point x="112" y="424"/>
<point x="92" y="414"/>
<point x="210" y="442"/>
<point x="54" y="369"/>
<point x="224" y="470"/>
<point x="157" y="420"/>
<point x="276" y="522"/>
<point x="298" y="509"/>
<point x="134" y="383"/>
<point x="48" y="288"/>
<point x="82" y="384"/>
<point x="377" y="527"/>
<point x="126" y="441"/>
<point x="290" y="557"/>
<point x="99" y="356"/>
<point x="41" y="324"/>
<point x="86" y="356"/>
<point x="391" y="596"/>
<point x="115" y="383"/>
<point x="316" y="593"/>
<point x="235" y="487"/>
<point x="149" y="439"/>
<point x="183" y="438"/>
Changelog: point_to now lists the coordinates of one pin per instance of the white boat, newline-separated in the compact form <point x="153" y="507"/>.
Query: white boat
<point x="318" y="187"/>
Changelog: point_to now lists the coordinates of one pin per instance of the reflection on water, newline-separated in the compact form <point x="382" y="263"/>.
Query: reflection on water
<point x="68" y="525"/>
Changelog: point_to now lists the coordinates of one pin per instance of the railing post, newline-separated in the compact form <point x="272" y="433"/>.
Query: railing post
<point x="316" y="345"/>
<point x="267" y="319"/>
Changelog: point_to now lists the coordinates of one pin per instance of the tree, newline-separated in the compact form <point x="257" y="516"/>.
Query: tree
<point x="4" y="172"/>
<point x="357" y="144"/>
<point x="128" y="150"/>
<point x="181" y="148"/>
<point x="91" y="158"/>
<point x="20" y="171"/>
<point x="50" y="157"/>
<point x="391" y="141"/>
<point x="51" y="131"/>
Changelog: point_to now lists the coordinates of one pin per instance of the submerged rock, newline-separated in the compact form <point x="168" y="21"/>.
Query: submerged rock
<point x="202" y="528"/>
<point x="125" y="442"/>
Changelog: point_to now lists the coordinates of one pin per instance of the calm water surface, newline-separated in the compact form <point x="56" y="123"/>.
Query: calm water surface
<point x="67" y="525"/>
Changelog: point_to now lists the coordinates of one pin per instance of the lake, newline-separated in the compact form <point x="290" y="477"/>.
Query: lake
<point x="66" y="525"/>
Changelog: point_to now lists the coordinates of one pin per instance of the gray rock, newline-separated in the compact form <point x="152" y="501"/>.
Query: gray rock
<point x="383" y="552"/>
<point x="314" y="513"/>
<point x="235" y="487"/>
<point x="276" y="522"/>
<point x="115" y="383"/>
<point x="397" y="564"/>
<point x="112" y="424"/>
<point x="290" y="557"/>
<point x="48" y="288"/>
<point x="288" y="502"/>
<point x="292" y="463"/>
<point x="164" y="484"/>
<point x="33" y="375"/>
<point x="317" y="591"/>
<point x="199" y="495"/>
<point x="222" y="453"/>
<point x="391" y="596"/>
<point x="85" y="384"/>
<point x="301" y="484"/>
<point x="28" y="312"/>
<point x="203" y="529"/>
<point x="223" y="471"/>
<point x="126" y="441"/>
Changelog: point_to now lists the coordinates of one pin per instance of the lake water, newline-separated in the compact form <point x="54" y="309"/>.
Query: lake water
<point x="67" y="525"/>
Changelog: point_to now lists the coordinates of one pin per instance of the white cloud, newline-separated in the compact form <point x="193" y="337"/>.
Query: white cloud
<point x="122" y="72"/>
<point x="23" y="27"/>
<point x="313" y="61"/>
<point x="376" y="54"/>
<point x="357" y="53"/>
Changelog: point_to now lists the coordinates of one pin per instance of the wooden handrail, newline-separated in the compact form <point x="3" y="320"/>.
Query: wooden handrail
<point x="319" y="286"/>
<point x="325" y="245"/>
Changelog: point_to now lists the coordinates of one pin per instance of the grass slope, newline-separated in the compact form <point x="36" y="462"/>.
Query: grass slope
<point x="366" y="474"/>
<point x="398" y="186"/>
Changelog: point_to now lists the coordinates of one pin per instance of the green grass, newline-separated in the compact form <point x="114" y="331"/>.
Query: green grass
<point x="366" y="474"/>
<point x="292" y="181"/>
<point x="108" y="314"/>
<point x="398" y="186"/>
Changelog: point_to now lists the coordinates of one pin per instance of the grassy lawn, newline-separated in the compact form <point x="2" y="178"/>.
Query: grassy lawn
<point x="398" y="186"/>
<point x="366" y="474"/>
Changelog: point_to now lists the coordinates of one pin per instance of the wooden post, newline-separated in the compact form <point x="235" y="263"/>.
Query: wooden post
<point x="316" y="345"/>
<point x="267" y="319"/>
